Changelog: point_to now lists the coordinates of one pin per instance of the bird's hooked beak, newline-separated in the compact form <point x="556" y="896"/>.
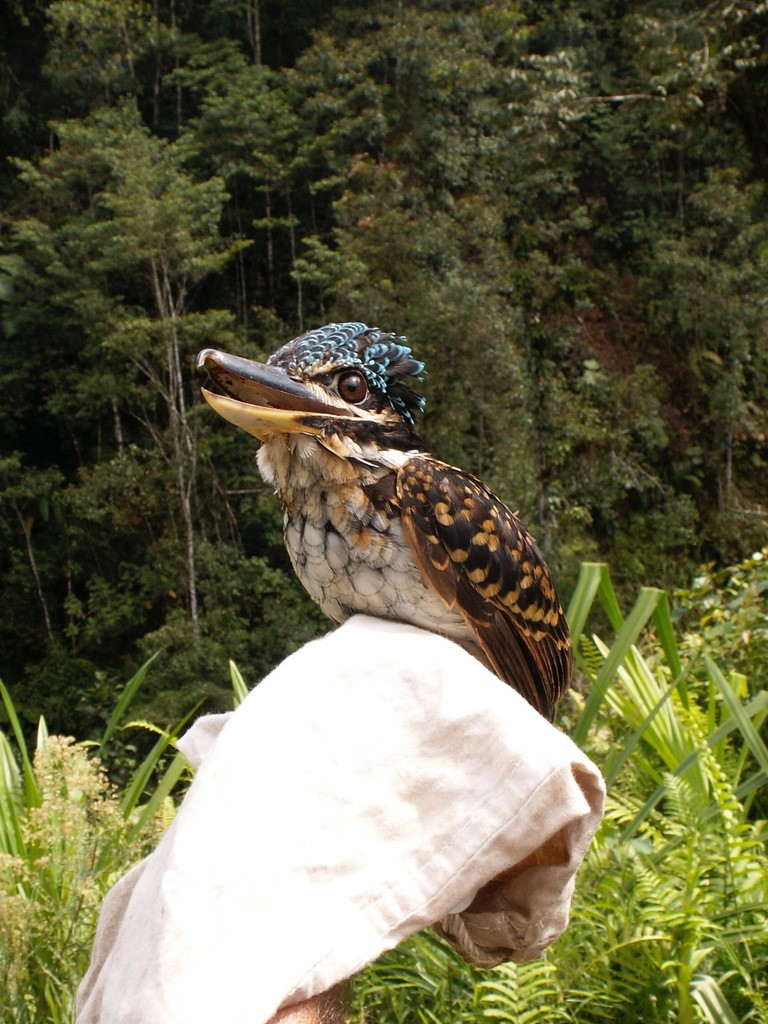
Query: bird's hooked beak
<point x="264" y="399"/>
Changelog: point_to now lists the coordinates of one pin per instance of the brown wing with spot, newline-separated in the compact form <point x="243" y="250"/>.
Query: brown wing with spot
<point x="480" y="559"/>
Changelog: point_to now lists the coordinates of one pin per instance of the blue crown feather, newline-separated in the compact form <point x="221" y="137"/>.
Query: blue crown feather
<point x="385" y="360"/>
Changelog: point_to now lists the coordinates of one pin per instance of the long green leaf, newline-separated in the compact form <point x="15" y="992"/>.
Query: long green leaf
<point x="609" y="600"/>
<point x="129" y="692"/>
<point x="739" y="714"/>
<point x="643" y="609"/>
<point x="618" y="761"/>
<point x="143" y="773"/>
<point x="42" y="733"/>
<point x="583" y="597"/>
<point x="163" y="789"/>
<point x="712" y="1002"/>
<point x="665" y="631"/>
<point x="239" y="688"/>
<point x="752" y="784"/>
<point x="755" y="706"/>
<point x="32" y="794"/>
<point x="11" y="838"/>
<point x="639" y="696"/>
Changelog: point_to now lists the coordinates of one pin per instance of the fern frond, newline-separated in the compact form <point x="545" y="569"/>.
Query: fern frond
<point x="523" y="993"/>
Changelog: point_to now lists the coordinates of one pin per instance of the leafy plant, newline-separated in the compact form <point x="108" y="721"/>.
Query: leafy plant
<point x="66" y="835"/>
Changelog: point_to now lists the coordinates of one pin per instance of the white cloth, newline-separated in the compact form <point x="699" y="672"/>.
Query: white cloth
<point x="377" y="781"/>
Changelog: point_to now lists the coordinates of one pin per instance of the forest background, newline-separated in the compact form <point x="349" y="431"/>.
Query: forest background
<point x="562" y="205"/>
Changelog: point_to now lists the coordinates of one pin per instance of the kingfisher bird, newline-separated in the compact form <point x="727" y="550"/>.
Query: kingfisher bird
<point x="375" y="524"/>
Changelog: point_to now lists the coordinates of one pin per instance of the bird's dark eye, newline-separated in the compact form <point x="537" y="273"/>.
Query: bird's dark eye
<point x="352" y="387"/>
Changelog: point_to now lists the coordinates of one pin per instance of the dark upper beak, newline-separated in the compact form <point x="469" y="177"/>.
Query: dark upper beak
<point x="264" y="399"/>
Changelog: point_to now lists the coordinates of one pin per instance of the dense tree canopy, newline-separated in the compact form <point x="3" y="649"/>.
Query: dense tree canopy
<point x="562" y="205"/>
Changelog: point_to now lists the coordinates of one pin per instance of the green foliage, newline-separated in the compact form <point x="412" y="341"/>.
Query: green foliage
<point x="670" y="916"/>
<point x="563" y="205"/>
<point x="671" y="907"/>
<point x="66" y="835"/>
<point x="115" y="203"/>
<point x="723" y="608"/>
<point x="678" y="840"/>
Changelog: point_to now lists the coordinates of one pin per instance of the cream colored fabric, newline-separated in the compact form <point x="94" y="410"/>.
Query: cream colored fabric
<point x="379" y="781"/>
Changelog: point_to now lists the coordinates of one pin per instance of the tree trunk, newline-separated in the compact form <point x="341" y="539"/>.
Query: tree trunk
<point x="184" y="449"/>
<point x="253" y="16"/>
<point x="299" y="288"/>
<point x="118" y="426"/>
<point x="727" y="489"/>
<point x="26" y="529"/>
<point x="270" y="247"/>
<point x="539" y="429"/>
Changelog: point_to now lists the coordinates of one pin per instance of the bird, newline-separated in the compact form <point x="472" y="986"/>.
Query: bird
<point x="373" y="523"/>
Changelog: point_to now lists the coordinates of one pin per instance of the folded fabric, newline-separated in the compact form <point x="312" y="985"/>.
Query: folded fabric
<point x="379" y="781"/>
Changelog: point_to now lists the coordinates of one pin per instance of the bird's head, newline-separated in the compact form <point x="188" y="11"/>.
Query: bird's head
<point x="345" y="380"/>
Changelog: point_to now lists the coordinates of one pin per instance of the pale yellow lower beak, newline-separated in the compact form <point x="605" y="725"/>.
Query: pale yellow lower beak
<point x="262" y="420"/>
